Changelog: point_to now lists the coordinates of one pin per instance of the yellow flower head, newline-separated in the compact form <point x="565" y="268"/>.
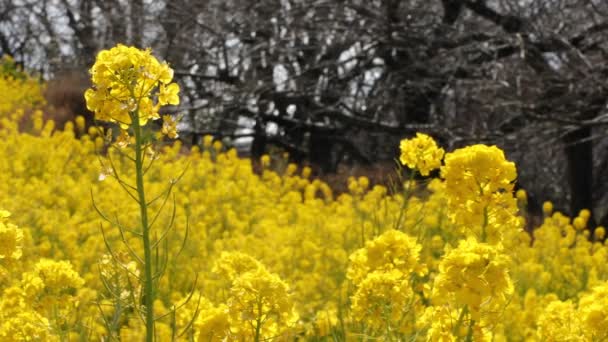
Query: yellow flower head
<point x="169" y="127"/>
<point x="421" y="153"/>
<point x="521" y="195"/>
<point x="230" y="265"/>
<point x="11" y="239"/>
<point x="260" y="300"/>
<point x="393" y="250"/>
<point x="593" y="308"/>
<point x="599" y="232"/>
<point x="473" y="274"/>
<point x="477" y="171"/>
<point x="547" y="208"/>
<point x="127" y="82"/>
<point x="213" y="323"/>
<point x="559" y="322"/>
<point x="479" y="188"/>
<point x="57" y="276"/>
<point x="382" y="297"/>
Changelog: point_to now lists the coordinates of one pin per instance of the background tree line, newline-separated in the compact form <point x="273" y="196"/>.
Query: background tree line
<point x="343" y="81"/>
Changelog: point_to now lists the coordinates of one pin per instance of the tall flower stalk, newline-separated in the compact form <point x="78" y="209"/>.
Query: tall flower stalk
<point x="129" y="87"/>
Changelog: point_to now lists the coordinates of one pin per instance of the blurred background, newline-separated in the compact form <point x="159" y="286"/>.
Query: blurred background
<point x="337" y="84"/>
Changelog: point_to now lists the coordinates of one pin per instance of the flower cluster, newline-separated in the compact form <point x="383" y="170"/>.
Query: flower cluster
<point x="128" y="81"/>
<point x="11" y="238"/>
<point x="474" y="275"/>
<point x="20" y="91"/>
<point x="382" y="273"/>
<point x="479" y="188"/>
<point x="421" y="153"/>
<point x="259" y="305"/>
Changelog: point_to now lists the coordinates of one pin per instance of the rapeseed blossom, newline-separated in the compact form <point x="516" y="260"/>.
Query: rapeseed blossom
<point x="383" y="275"/>
<point x="593" y="313"/>
<point x="479" y="185"/>
<point x="421" y="153"/>
<point x="559" y="321"/>
<point x="127" y="80"/>
<point x="382" y="299"/>
<point x="11" y="238"/>
<point x="20" y="90"/>
<point x="474" y="275"/>
<point x="393" y="250"/>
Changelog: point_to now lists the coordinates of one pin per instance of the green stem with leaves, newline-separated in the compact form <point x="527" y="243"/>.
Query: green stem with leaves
<point x="149" y="290"/>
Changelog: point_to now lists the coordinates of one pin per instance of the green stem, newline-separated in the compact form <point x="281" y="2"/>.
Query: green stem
<point x="406" y="196"/>
<point x="484" y="234"/>
<point x="149" y="282"/>
<point x="469" y="337"/>
<point x="463" y="313"/>
<point x="258" y="326"/>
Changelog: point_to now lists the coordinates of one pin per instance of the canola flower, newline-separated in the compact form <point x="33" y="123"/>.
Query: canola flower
<point x="421" y="153"/>
<point x="127" y="83"/>
<point x="11" y="239"/>
<point x="259" y="305"/>
<point x="20" y="90"/>
<point x="383" y="275"/>
<point x="473" y="282"/>
<point x="129" y="87"/>
<point x="479" y="189"/>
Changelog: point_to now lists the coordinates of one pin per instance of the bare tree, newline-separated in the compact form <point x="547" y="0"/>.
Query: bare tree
<point x="343" y="81"/>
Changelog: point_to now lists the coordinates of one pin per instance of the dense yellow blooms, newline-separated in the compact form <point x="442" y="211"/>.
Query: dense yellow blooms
<point x="593" y="313"/>
<point x="479" y="189"/>
<point x="11" y="238"/>
<point x="421" y="153"/>
<point x="277" y="254"/>
<point x="19" y="90"/>
<point x="560" y="322"/>
<point x="213" y="323"/>
<point x="127" y="80"/>
<point x="391" y="251"/>
<point x="474" y="275"/>
<point x="382" y="300"/>
<point x="383" y="273"/>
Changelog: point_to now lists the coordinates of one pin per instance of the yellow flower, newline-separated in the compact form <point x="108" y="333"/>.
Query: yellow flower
<point x="212" y="323"/>
<point x="473" y="274"/>
<point x="560" y="322"/>
<point x="421" y="153"/>
<point x="27" y="325"/>
<point x="393" y="250"/>
<point x="127" y="81"/>
<point x="599" y="232"/>
<point x="232" y="264"/>
<point x="11" y="239"/>
<point x="382" y="297"/>
<point x="521" y="196"/>
<point x="477" y="171"/>
<point x="479" y="189"/>
<point x="579" y="223"/>
<point x="169" y="94"/>
<point x="593" y="308"/>
<point x="547" y="208"/>
<point x="57" y="276"/>
<point x="169" y="127"/>
<point x="260" y="303"/>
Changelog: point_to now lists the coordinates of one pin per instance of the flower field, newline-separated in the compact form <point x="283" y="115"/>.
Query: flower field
<point x="275" y="255"/>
